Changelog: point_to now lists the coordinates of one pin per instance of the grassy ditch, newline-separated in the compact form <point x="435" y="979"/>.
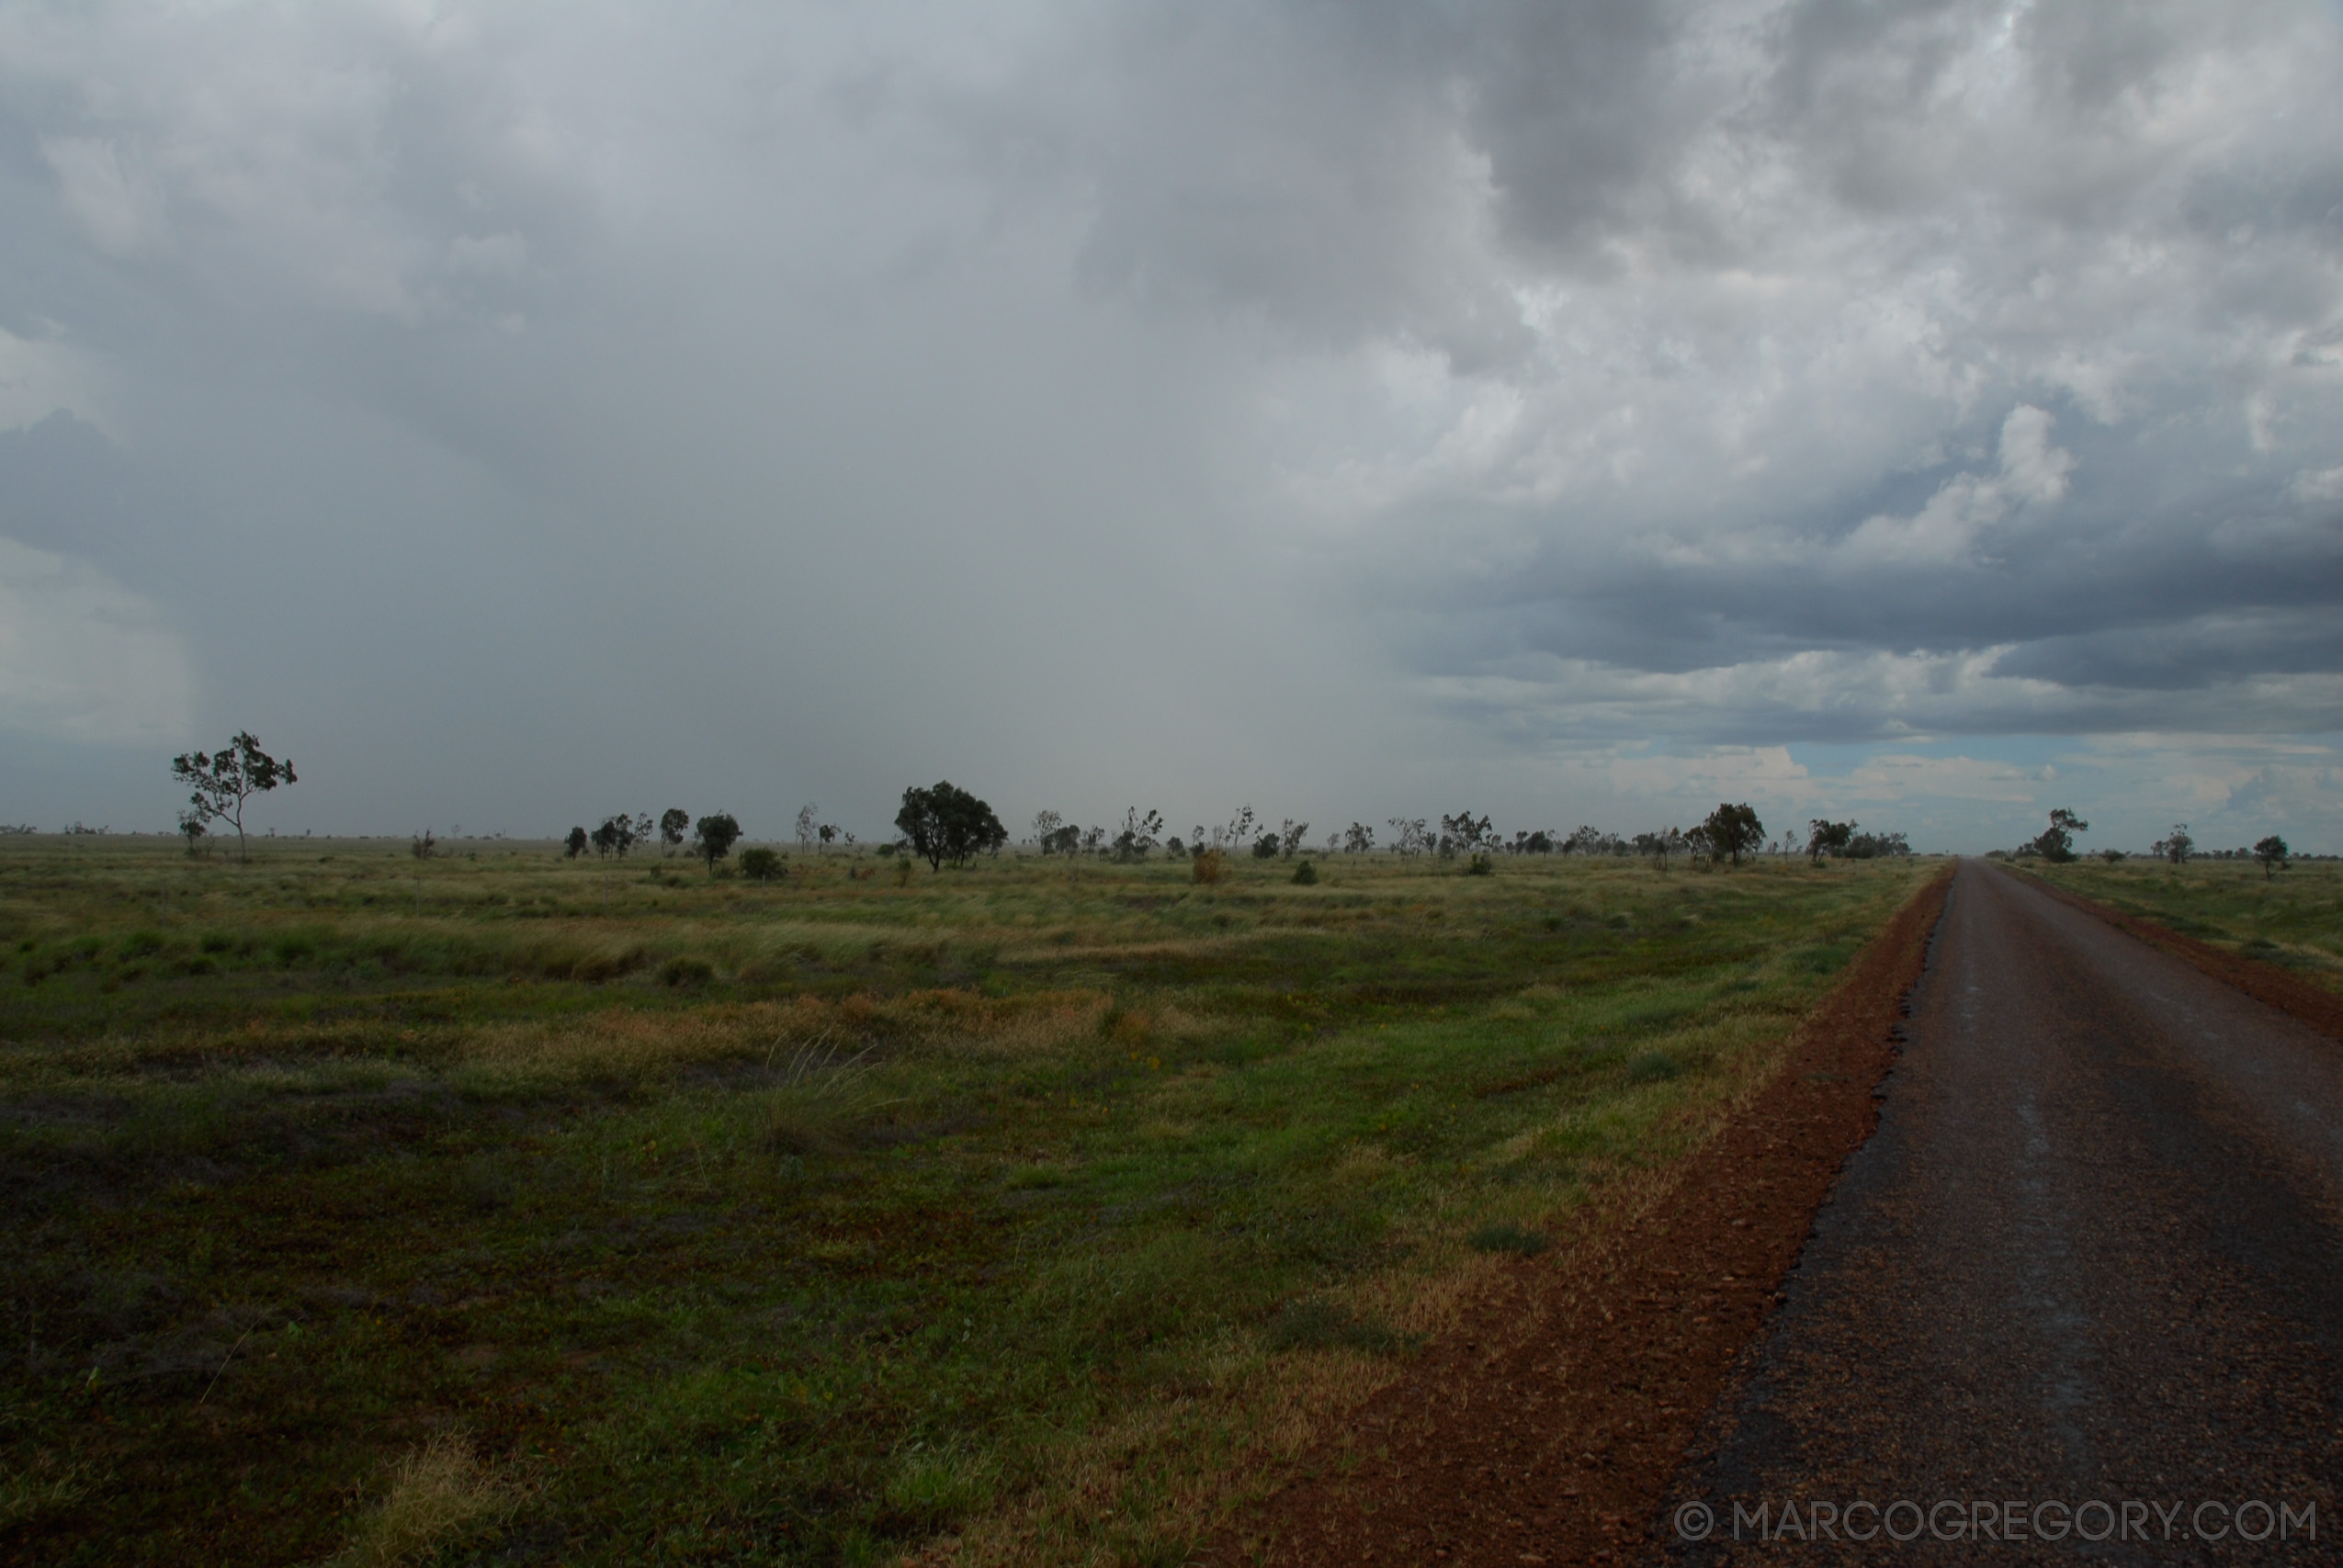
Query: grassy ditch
<point x="2294" y="919"/>
<point x="522" y="1210"/>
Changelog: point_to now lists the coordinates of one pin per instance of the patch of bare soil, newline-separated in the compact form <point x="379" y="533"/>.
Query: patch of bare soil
<point x="2265" y="983"/>
<point x="1545" y="1427"/>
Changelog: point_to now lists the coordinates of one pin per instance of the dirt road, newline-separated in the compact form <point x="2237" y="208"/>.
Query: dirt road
<point x="2085" y="1281"/>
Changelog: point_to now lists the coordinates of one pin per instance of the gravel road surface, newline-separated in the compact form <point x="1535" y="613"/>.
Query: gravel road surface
<point x="2086" y="1281"/>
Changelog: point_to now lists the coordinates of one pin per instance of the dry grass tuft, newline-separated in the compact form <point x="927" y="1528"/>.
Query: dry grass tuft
<point x="41" y="1488"/>
<point x="437" y="1492"/>
<point x="1209" y="868"/>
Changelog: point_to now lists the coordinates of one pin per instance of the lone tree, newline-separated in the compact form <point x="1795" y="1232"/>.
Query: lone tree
<point x="2273" y="854"/>
<point x="576" y="843"/>
<point x="1825" y="836"/>
<point x="946" y="822"/>
<point x="713" y="838"/>
<point x="223" y="782"/>
<point x="2056" y="844"/>
<point x="1462" y="834"/>
<point x="1733" y="829"/>
<point x="2175" y="846"/>
<point x="1137" y="839"/>
<point x="673" y="823"/>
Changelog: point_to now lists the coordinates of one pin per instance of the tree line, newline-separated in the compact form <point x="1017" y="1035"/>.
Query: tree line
<point x="2056" y="845"/>
<point x="942" y="822"/>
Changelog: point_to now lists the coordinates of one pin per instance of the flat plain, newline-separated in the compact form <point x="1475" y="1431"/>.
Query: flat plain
<point x="500" y="1206"/>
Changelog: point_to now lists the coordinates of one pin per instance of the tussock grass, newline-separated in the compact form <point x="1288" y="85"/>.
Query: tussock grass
<point x="438" y="1493"/>
<point x="1033" y="1210"/>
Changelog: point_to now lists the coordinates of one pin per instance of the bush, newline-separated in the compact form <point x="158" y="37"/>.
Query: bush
<point x="1320" y="1326"/>
<point x="1306" y="875"/>
<point x="686" y="972"/>
<point x="1508" y="1238"/>
<point x="1481" y="865"/>
<point x="1651" y="1067"/>
<point x="760" y="863"/>
<point x="1208" y="868"/>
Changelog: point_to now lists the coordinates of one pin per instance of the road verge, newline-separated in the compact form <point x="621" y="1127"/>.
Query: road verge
<point x="2265" y="983"/>
<point x="1546" y="1426"/>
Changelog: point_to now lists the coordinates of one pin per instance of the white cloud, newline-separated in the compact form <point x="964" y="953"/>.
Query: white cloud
<point x="40" y="376"/>
<point x="84" y="658"/>
<point x="496" y="255"/>
<point x="122" y="210"/>
<point x="2327" y="484"/>
<point x="2032" y="472"/>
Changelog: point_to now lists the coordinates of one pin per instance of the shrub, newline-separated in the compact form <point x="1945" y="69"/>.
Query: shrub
<point x="760" y="863"/>
<point x="1208" y="868"/>
<point x="1481" y="865"/>
<point x="1321" y="1326"/>
<point x="1306" y="874"/>
<point x="1515" y="1239"/>
<point x="1651" y="1067"/>
<point x="686" y="972"/>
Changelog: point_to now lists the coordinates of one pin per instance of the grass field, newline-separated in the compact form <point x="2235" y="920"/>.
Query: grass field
<point x="2294" y="918"/>
<point x="508" y="1208"/>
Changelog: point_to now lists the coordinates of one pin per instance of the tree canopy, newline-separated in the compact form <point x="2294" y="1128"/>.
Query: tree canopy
<point x="2273" y="854"/>
<point x="946" y="822"/>
<point x="713" y="837"/>
<point x="224" y="779"/>
<point x="1730" y="829"/>
<point x="2057" y="843"/>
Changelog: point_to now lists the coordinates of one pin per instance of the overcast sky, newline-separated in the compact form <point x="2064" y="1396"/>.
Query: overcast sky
<point x="1928" y="413"/>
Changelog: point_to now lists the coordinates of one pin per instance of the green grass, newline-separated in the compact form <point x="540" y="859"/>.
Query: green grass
<point x="613" y="1212"/>
<point x="2294" y="919"/>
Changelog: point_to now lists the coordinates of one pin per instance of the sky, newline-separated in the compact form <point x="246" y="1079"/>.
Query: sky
<point x="1926" y="413"/>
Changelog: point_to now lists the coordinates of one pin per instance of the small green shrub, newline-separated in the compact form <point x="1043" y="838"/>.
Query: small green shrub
<point x="1481" y="865"/>
<point x="1651" y="1067"/>
<point x="1306" y="875"/>
<point x="934" y="1489"/>
<point x="1321" y="1326"/>
<point x="1515" y="1239"/>
<point x="686" y="972"/>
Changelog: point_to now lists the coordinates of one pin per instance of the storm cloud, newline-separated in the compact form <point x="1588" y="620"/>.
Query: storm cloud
<point x="1927" y="409"/>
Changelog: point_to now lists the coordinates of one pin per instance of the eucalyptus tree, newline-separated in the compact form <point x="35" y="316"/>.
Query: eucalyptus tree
<point x="221" y="783"/>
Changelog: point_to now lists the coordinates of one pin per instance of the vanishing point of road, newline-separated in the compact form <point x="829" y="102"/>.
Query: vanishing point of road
<point x="2080" y="1296"/>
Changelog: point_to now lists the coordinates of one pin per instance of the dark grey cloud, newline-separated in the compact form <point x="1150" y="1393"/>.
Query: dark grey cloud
<point x="804" y="400"/>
